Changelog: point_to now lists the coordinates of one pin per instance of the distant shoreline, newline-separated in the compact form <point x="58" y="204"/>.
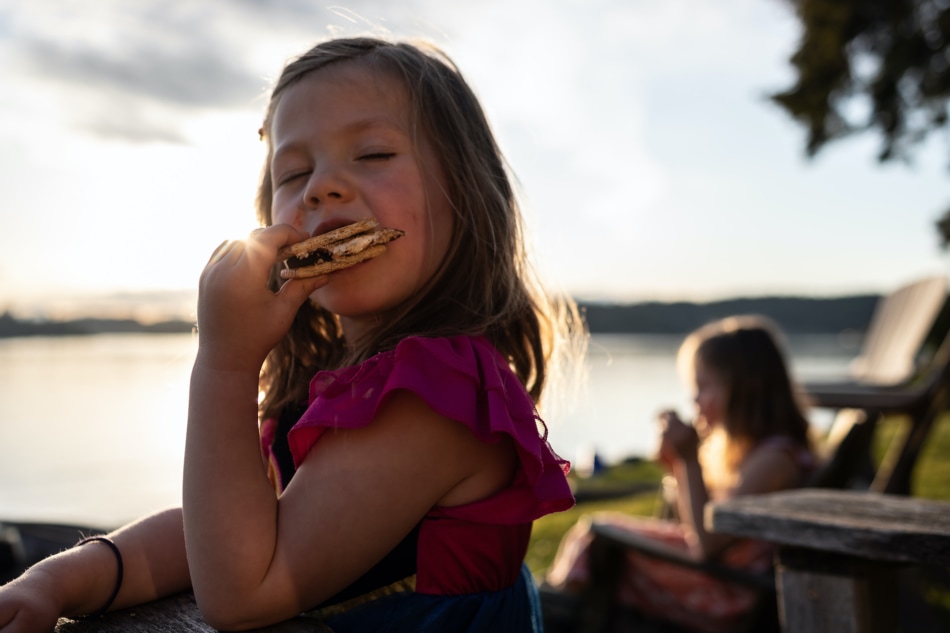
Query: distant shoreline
<point x="795" y="315"/>
<point x="12" y="327"/>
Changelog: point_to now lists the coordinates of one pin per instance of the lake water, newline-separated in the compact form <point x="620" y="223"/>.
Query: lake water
<point x="92" y="428"/>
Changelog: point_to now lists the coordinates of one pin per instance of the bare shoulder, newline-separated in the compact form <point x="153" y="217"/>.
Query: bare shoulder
<point x="468" y="467"/>
<point x="442" y="458"/>
<point x="360" y="491"/>
<point x="768" y="469"/>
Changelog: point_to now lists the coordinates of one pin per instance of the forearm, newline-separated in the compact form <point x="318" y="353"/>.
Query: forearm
<point x="692" y="499"/>
<point x="230" y="508"/>
<point x="81" y="579"/>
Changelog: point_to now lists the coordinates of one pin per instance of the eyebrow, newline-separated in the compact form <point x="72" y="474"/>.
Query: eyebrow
<point x="370" y="123"/>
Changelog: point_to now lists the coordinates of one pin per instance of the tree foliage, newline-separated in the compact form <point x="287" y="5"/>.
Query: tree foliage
<point x="878" y="65"/>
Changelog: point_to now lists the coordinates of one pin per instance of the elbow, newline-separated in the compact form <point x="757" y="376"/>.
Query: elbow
<point x="226" y="622"/>
<point x="232" y="614"/>
<point x="223" y="619"/>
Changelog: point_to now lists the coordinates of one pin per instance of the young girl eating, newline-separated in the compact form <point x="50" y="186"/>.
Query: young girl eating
<point x="749" y="436"/>
<point x="394" y="401"/>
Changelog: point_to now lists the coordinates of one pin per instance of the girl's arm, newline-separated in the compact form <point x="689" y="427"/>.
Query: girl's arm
<point x="679" y="451"/>
<point x="254" y="559"/>
<point x="80" y="580"/>
<point x="764" y="470"/>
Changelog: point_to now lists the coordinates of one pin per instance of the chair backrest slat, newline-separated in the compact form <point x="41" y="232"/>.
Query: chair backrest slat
<point x="900" y="323"/>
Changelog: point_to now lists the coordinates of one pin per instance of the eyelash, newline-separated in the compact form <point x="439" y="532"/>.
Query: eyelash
<point x="291" y="177"/>
<point x="373" y="156"/>
<point x="377" y="156"/>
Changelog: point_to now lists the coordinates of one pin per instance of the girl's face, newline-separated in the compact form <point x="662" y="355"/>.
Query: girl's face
<point x="343" y="150"/>
<point x="710" y="395"/>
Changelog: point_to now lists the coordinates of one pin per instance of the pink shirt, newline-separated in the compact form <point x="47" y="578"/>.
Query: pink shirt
<point x="474" y="547"/>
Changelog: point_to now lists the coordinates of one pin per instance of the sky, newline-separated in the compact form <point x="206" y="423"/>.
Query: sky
<point x="652" y="165"/>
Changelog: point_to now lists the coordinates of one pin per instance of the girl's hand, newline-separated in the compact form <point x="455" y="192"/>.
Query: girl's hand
<point x="25" y="605"/>
<point x="239" y="318"/>
<point x="678" y="440"/>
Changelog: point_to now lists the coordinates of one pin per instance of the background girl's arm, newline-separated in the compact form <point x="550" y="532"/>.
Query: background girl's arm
<point x="763" y="471"/>
<point x="691" y="498"/>
<point x="80" y="580"/>
<point x="679" y="451"/>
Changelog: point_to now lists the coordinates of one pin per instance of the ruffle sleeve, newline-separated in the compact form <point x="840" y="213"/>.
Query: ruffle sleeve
<point x="464" y="379"/>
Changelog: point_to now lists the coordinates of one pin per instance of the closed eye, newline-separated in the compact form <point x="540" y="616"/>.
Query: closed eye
<point x="291" y="177"/>
<point x="377" y="156"/>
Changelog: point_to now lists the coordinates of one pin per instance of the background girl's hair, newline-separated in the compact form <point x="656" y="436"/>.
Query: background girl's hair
<point x="746" y="353"/>
<point x="484" y="285"/>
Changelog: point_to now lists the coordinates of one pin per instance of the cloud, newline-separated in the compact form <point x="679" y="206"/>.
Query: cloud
<point x="195" y="75"/>
<point x="136" y="71"/>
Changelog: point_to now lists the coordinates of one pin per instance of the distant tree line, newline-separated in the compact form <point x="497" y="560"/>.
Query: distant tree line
<point x="11" y="326"/>
<point x="795" y="315"/>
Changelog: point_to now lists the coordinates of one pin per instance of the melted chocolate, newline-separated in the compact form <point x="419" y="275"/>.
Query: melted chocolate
<point x="318" y="256"/>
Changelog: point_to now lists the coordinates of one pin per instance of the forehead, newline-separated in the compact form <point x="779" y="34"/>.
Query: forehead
<point x="348" y="93"/>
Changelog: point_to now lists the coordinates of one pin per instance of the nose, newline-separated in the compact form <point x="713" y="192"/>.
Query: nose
<point x="327" y="185"/>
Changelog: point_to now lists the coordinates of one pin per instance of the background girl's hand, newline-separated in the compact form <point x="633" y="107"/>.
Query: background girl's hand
<point x="678" y="440"/>
<point x="239" y="318"/>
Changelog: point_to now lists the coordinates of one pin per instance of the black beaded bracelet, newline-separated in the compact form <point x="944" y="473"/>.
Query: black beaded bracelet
<point x="118" y="580"/>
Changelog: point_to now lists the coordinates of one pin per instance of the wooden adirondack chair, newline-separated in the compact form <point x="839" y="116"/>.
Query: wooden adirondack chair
<point x="892" y="375"/>
<point x="904" y="368"/>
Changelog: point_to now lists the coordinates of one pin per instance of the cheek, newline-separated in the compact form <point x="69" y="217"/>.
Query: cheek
<point x="440" y="223"/>
<point x="708" y="404"/>
<point x="442" y="238"/>
<point x="287" y="214"/>
<point x="434" y="231"/>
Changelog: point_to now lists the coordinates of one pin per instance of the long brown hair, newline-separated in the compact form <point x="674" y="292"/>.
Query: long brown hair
<point x="484" y="285"/>
<point x="746" y="353"/>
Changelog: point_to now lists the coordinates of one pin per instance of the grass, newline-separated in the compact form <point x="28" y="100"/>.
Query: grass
<point x="931" y="481"/>
<point x="549" y="529"/>
<point x="932" y="475"/>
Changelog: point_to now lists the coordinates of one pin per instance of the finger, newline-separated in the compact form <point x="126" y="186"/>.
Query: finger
<point x="263" y="244"/>
<point x="279" y="235"/>
<point x="216" y="255"/>
<point x="227" y="248"/>
<point x="296" y="291"/>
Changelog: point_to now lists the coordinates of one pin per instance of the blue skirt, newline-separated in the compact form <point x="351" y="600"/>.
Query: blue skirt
<point x="516" y="609"/>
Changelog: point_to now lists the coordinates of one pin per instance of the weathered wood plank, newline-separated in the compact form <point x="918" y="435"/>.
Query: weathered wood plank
<point x="818" y="592"/>
<point x="868" y="525"/>
<point x="178" y="614"/>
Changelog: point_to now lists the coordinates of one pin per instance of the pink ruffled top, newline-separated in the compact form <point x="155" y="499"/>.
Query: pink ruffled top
<point x="475" y="547"/>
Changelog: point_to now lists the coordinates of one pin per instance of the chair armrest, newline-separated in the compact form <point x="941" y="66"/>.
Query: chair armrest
<point x="861" y="396"/>
<point x="611" y="536"/>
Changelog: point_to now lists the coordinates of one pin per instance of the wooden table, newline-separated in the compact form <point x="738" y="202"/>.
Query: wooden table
<point x="838" y="552"/>
<point x="178" y="614"/>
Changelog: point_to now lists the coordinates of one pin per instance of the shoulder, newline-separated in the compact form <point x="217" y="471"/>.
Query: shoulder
<point x="461" y="381"/>
<point x="463" y="378"/>
<point x="769" y="467"/>
<point x="411" y="442"/>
